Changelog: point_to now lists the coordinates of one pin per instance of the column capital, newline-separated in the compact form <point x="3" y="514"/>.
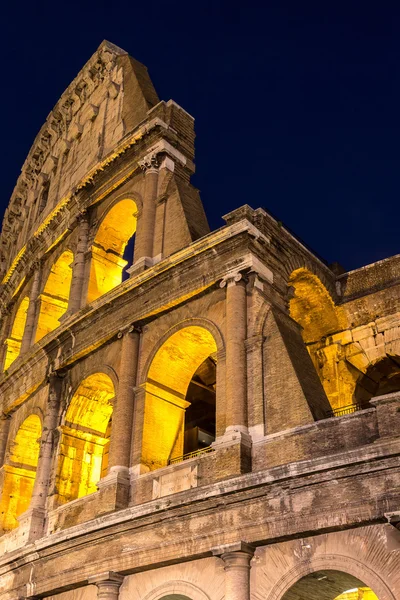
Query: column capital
<point x="129" y="329"/>
<point x="35" y="267"/>
<point x="83" y="215"/>
<point x="106" y="578"/>
<point x="56" y="375"/>
<point x="243" y="548"/>
<point x="232" y="279"/>
<point x="149" y="163"/>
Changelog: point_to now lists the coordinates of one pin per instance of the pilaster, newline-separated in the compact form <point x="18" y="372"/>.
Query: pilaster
<point x="28" y="338"/>
<point x="114" y="488"/>
<point x="32" y="521"/>
<point x="108" y="584"/>
<point x="237" y="559"/>
<point x="76" y="299"/>
<point x="143" y="255"/>
<point x="234" y="445"/>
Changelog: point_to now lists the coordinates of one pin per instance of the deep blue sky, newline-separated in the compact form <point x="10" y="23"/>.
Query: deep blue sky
<point x="296" y="104"/>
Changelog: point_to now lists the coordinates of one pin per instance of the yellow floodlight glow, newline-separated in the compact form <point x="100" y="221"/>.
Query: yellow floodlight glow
<point x="85" y="438"/>
<point x="116" y="229"/>
<point x="17" y="332"/>
<point x="54" y="299"/>
<point x="361" y="593"/>
<point x="20" y="472"/>
<point x="168" y="380"/>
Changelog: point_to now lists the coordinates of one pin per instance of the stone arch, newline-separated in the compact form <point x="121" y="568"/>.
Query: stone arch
<point x="14" y="341"/>
<point x="177" y="590"/>
<point x="18" y="417"/>
<point x="180" y="387"/>
<point x="194" y="321"/>
<point x="85" y="435"/>
<point x="298" y="262"/>
<point x="116" y="228"/>
<point x="87" y="372"/>
<point x="20" y="471"/>
<point x="381" y="377"/>
<point x="312" y="306"/>
<point x="55" y="295"/>
<point x="336" y="563"/>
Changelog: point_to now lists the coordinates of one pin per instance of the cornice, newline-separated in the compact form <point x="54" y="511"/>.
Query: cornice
<point x="157" y="275"/>
<point x="77" y="200"/>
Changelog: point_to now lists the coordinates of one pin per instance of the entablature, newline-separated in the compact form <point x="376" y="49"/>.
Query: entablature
<point x="142" y="298"/>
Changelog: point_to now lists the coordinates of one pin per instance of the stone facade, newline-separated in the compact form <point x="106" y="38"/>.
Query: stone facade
<point x="186" y="414"/>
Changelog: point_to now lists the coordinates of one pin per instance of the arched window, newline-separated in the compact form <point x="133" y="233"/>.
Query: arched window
<point x="20" y="472"/>
<point x="85" y="438"/>
<point x="180" y="397"/>
<point x="330" y="585"/>
<point x="17" y="332"/>
<point x="54" y="298"/>
<point x="108" y="248"/>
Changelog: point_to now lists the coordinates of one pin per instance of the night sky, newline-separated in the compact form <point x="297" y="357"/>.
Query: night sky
<point x="297" y="104"/>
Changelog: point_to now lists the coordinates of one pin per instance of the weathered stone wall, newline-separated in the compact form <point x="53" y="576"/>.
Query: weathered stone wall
<point x="107" y="372"/>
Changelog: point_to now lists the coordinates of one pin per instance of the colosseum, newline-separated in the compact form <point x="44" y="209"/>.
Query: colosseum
<point x="186" y="414"/>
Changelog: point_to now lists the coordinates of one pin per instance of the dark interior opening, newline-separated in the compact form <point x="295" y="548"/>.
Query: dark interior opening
<point x="200" y="415"/>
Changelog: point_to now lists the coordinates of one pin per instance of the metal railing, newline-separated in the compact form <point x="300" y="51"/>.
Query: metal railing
<point x="345" y="410"/>
<point x="178" y="459"/>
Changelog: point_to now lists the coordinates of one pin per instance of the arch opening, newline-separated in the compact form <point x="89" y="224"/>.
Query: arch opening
<point x="20" y="472"/>
<point x="55" y="296"/>
<point x="113" y="240"/>
<point x="312" y="307"/>
<point x="329" y="585"/>
<point x="17" y="332"/>
<point x="85" y="438"/>
<point x="180" y="405"/>
<point x="381" y="378"/>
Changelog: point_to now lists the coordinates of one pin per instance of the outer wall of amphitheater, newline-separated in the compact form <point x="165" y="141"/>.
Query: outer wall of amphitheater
<point x="185" y="414"/>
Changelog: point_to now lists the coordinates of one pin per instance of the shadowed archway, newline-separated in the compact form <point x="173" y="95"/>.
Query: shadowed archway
<point x="85" y="438"/>
<point x="329" y="585"/>
<point x="20" y="472"/>
<point x="113" y="235"/>
<point x="180" y="397"/>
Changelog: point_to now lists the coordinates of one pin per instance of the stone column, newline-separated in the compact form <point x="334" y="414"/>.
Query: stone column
<point x="146" y="221"/>
<point x="4" y="329"/>
<point x="122" y="419"/>
<point x="137" y="467"/>
<point x="108" y="585"/>
<point x="79" y="267"/>
<point x="33" y="518"/>
<point x="237" y="559"/>
<point x="236" y="376"/>
<point x="5" y="421"/>
<point x="30" y="325"/>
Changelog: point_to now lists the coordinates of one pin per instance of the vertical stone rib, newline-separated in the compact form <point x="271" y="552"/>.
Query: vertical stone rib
<point x="122" y="420"/>
<point x="236" y="377"/>
<point x="78" y="272"/>
<point x="147" y="218"/>
<point x="30" y="325"/>
<point x="44" y="467"/>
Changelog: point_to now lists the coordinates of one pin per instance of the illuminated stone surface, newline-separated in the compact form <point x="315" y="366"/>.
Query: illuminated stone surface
<point x="224" y="422"/>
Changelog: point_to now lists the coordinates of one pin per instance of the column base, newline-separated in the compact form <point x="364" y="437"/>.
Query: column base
<point x="32" y="524"/>
<point x="140" y="265"/>
<point x="233" y="452"/>
<point x="114" y="490"/>
<point x="138" y="470"/>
